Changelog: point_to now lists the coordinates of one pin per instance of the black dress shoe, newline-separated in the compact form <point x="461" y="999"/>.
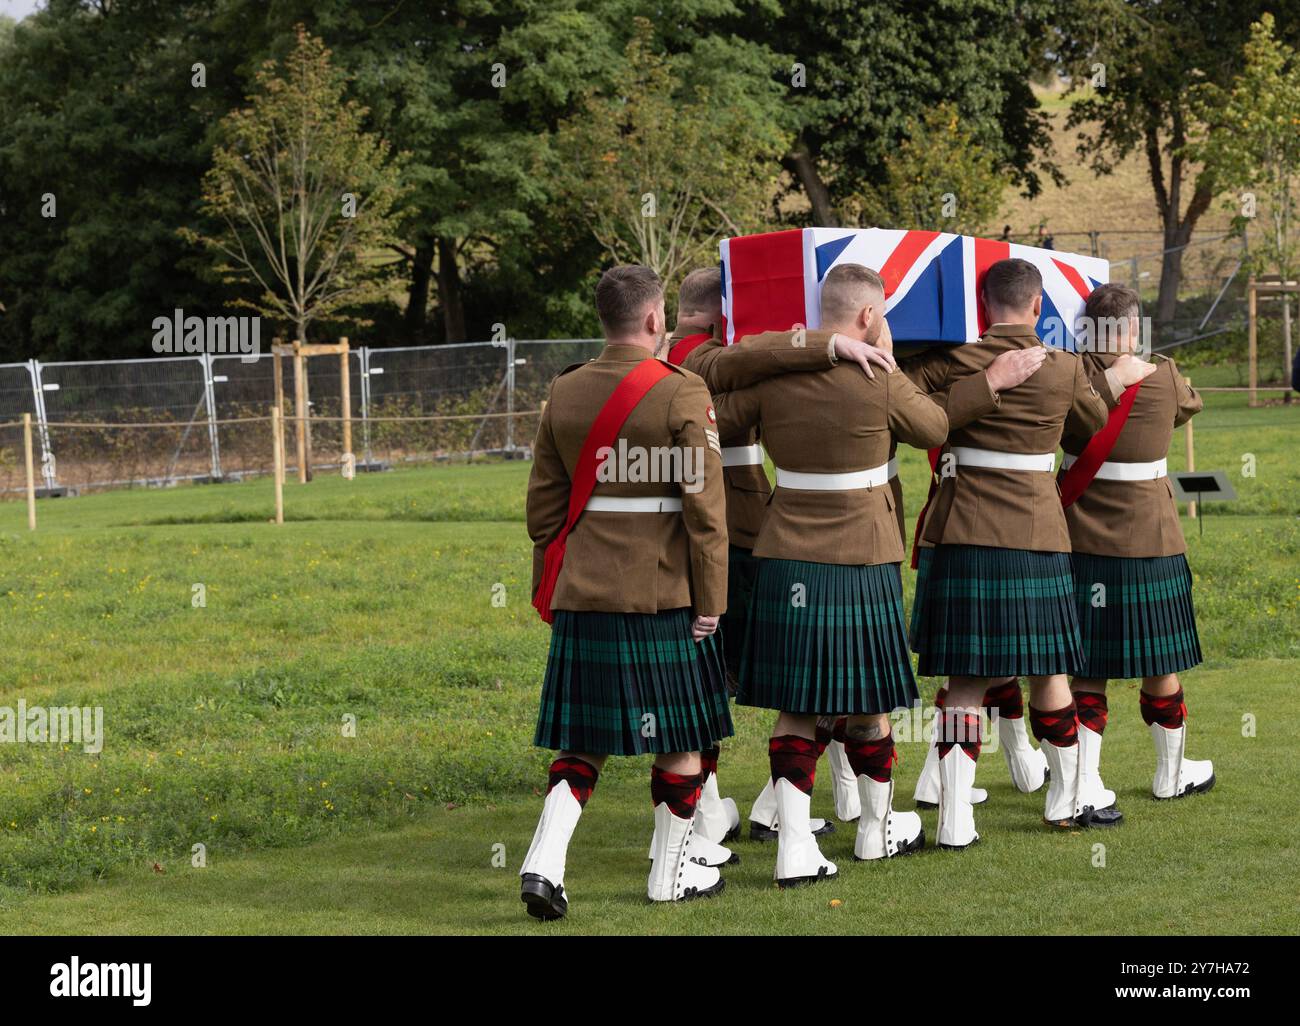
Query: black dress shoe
<point x="1107" y="817"/>
<point x="543" y="899"/>
<point x="760" y="832"/>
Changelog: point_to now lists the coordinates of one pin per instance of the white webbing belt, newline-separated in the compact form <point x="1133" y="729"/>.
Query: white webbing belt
<point x="634" y="504"/>
<point x="845" y="482"/>
<point x="1109" y="471"/>
<point x="892" y="467"/>
<point x="742" y="455"/>
<point x="991" y="459"/>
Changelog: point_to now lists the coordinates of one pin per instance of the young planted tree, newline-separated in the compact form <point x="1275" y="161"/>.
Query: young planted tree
<point x="658" y="171"/>
<point x="306" y="199"/>
<point x="1252" y="143"/>
<point x="939" y="178"/>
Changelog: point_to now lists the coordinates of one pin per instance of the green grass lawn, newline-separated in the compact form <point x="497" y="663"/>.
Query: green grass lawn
<point x="227" y="725"/>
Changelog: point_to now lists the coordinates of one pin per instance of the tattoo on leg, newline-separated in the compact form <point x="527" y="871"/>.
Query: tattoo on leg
<point x="865" y="732"/>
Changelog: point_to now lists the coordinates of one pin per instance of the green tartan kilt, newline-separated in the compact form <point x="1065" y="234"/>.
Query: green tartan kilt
<point x="1146" y="626"/>
<point x="631" y="684"/>
<point x="826" y="640"/>
<point x="742" y="568"/>
<point x="992" y="612"/>
<point x="923" y="558"/>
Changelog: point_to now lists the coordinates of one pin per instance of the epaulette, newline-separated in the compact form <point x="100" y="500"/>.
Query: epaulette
<point x="673" y="367"/>
<point x="572" y="367"/>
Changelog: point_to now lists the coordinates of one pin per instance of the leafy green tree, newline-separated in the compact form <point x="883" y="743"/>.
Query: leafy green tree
<point x="305" y="195"/>
<point x="1252" y="145"/>
<point x="101" y="152"/>
<point x="1139" y="61"/>
<point x="857" y="71"/>
<point x="939" y="178"/>
<point x="660" y="170"/>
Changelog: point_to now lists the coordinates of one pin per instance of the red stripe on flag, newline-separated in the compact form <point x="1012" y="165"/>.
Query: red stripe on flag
<point x="987" y="253"/>
<point x="766" y="281"/>
<point x="905" y="254"/>
<point x="1074" y="278"/>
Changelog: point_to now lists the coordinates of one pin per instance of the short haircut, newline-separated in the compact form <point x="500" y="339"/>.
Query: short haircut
<point x="622" y="295"/>
<point x="1112" y="302"/>
<point x="1012" y="284"/>
<point x="847" y="288"/>
<point x="700" y="292"/>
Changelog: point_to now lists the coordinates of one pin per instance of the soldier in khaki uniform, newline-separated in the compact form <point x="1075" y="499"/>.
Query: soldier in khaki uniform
<point x="694" y="345"/>
<point x="1133" y="586"/>
<point x="633" y="666"/>
<point x="968" y="398"/>
<point x="998" y="601"/>
<point x="826" y="635"/>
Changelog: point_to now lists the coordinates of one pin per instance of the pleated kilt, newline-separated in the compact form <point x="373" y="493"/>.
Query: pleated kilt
<point x="742" y="568"/>
<point x="631" y="684"/>
<point x="1146" y="626"/>
<point x="991" y="612"/>
<point x="827" y="640"/>
<point x="923" y="558"/>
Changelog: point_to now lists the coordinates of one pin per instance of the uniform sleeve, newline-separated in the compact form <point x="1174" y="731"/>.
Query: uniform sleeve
<point x="1088" y="410"/>
<point x="967" y="399"/>
<point x="704" y="510"/>
<point x="1106" y="382"/>
<point x="756" y="358"/>
<point x="928" y="371"/>
<point x="914" y="418"/>
<point x="737" y="411"/>
<point x="1190" y="402"/>
<point x="548" y="494"/>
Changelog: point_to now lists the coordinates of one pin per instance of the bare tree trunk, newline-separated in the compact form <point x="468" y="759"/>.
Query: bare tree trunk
<point x="1177" y="226"/>
<point x="449" y="291"/>
<point x="801" y="163"/>
<point x="417" y="302"/>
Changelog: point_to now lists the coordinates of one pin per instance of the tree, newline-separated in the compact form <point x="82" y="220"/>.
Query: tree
<point x="1252" y="145"/>
<point x="658" y="171"/>
<point x="306" y="197"/>
<point x="1145" y="56"/>
<point x="856" y="72"/>
<point x="939" y="178"/>
<point x="99" y="115"/>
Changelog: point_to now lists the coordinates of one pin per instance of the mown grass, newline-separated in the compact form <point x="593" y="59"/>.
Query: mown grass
<point x="225" y="723"/>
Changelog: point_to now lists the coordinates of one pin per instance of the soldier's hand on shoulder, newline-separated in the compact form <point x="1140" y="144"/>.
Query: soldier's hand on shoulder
<point x="864" y="355"/>
<point x="1015" y="367"/>
<point x="1131" y="370"/>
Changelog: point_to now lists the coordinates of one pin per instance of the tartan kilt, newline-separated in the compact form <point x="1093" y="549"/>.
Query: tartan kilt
<point x="842" y="650"/>
<point x="606" y="672"/>
<point x="992" y="612"/>
<point x="1146" y="627"/>
<point x="742" y="568"/>
<point x="923" y="558"/>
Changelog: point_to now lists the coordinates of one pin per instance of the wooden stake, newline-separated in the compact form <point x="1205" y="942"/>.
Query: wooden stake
<point x="300" y="411"/>
<point x="1252" y="354"/>
<point x="31" y="472"/>
<point x="346" y="391"/>
<point x="277" y="450"/>
<point x="1191" y="460"/>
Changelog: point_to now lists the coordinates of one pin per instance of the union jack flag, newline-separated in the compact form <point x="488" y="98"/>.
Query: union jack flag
<point x="772" y="282"/>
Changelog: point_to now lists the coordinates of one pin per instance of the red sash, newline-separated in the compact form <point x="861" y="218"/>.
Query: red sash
<point x="1076" y="480"/>
<point x="934" y="487"/>
<point x="684" y="347"/>
<point x="604" y="432"/>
